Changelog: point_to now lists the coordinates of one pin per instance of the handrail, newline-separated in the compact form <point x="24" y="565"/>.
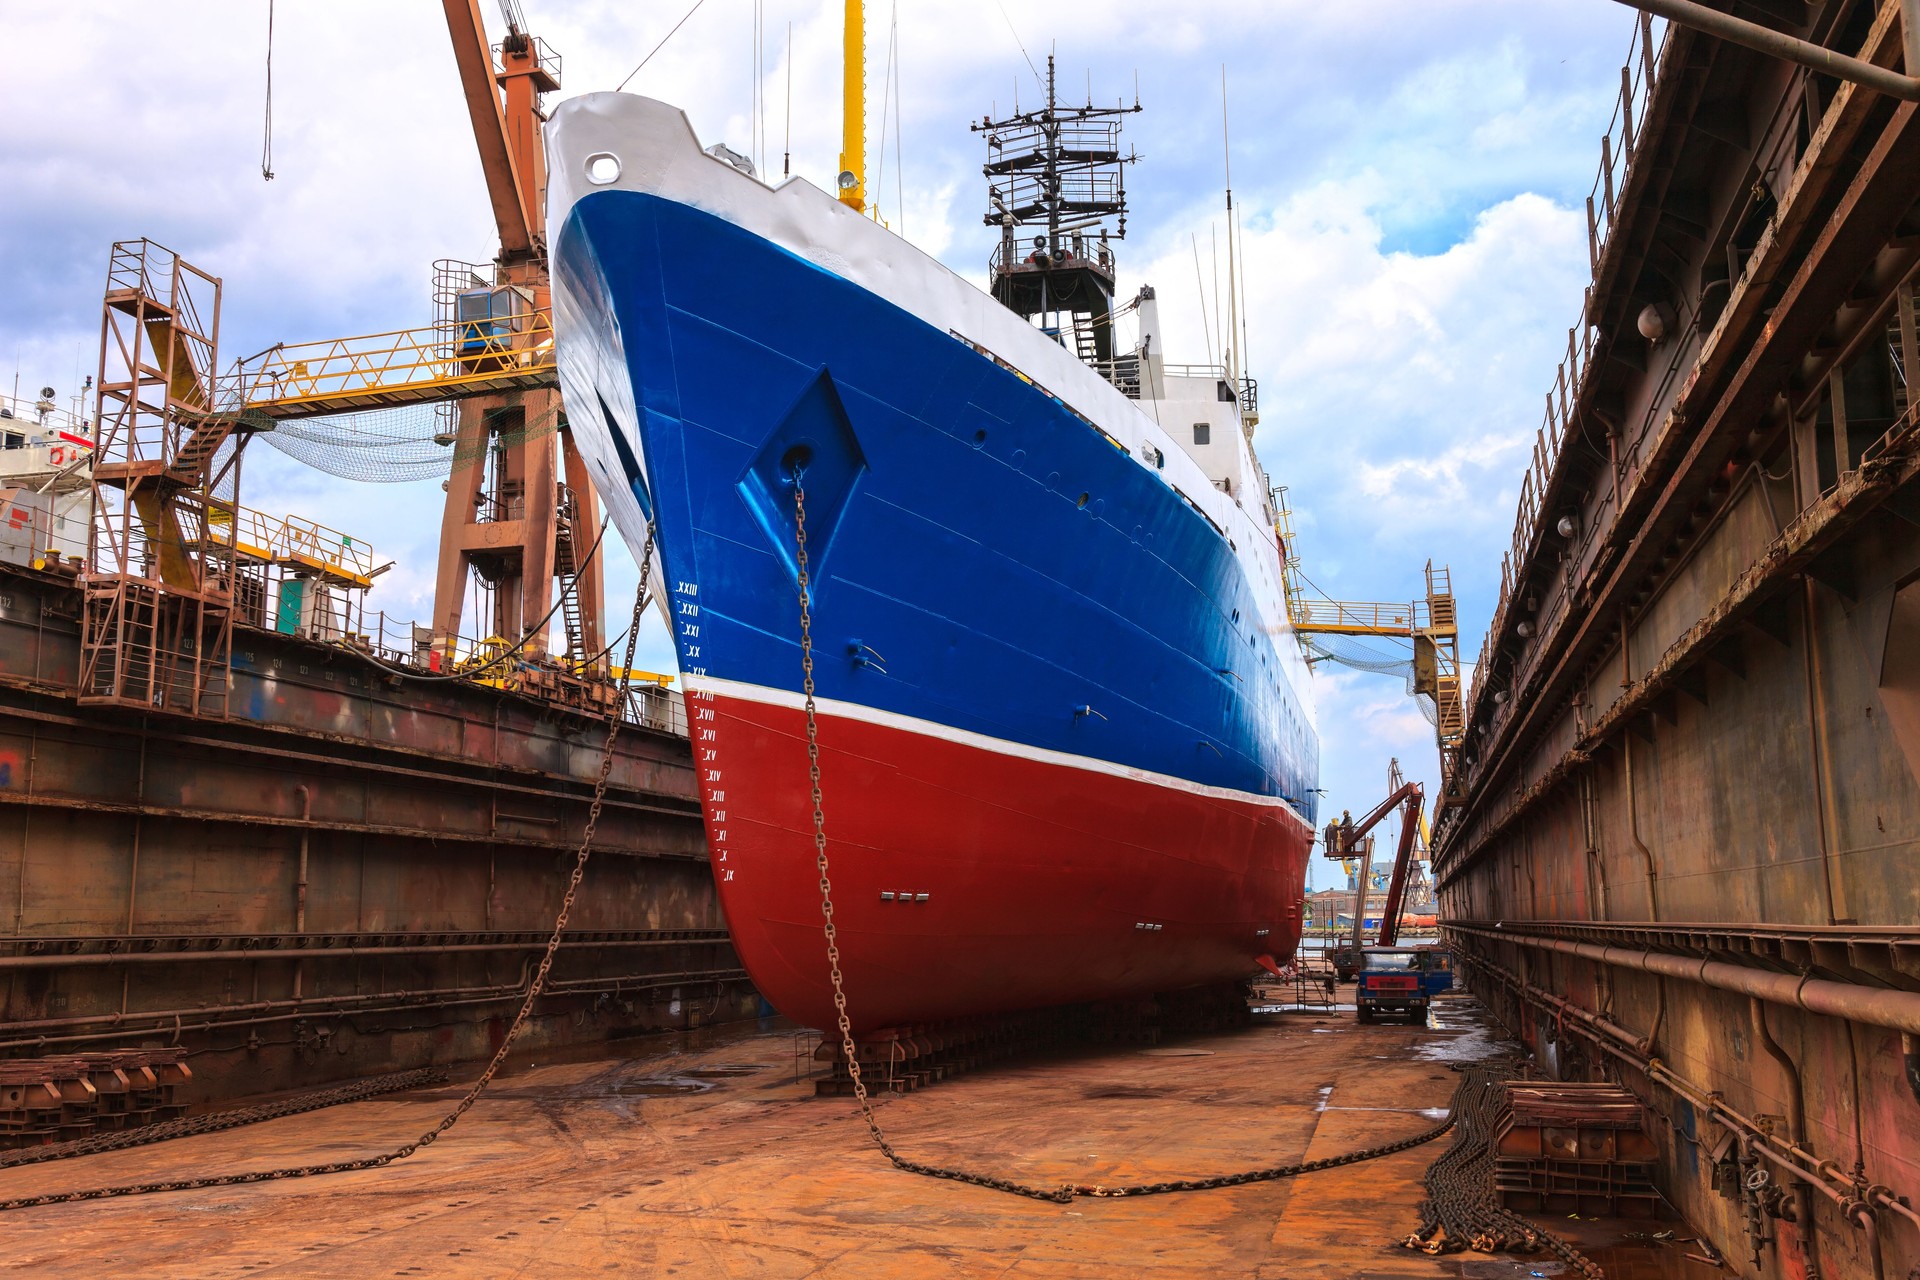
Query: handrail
<point x="434" y="357"/>
<point x="1370" y="618"/>
<point x="298" y="541"/>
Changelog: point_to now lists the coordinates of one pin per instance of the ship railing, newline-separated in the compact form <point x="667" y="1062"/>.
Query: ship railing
<point x="21" y="416"/>
<point x="1082" y="251"/>
<point x="1125" y="373"/>
<point x="1619" y="148"/>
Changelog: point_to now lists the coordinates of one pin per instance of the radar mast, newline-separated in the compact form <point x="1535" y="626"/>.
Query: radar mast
<point x="1056" y="178"/>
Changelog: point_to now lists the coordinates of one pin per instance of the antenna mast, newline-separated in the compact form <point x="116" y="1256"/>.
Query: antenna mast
<point x="1232" y="353"/>
<point x="1060" y="172"/>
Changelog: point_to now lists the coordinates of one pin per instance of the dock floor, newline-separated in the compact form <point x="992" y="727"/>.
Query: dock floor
<point x="711" y="1157"/>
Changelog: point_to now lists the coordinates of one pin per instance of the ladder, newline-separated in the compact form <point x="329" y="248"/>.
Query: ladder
<point x="566" y="568"/>
<point x="1085" y="345"/>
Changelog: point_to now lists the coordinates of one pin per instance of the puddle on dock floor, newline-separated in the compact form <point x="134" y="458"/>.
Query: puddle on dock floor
<point x="1667" y="1261"/>
<point x="659" y="1088"/>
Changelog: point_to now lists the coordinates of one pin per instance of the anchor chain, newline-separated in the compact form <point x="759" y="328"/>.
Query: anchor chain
<point x="1066" y="1192"/>
<point x="220" y="1121"/>
<point x="1461" y="1210"/>
<point x="534" y="989"/>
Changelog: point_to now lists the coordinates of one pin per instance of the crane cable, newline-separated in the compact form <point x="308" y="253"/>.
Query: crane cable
<point x="266" y="139"/>
<point x="663" y="42"/>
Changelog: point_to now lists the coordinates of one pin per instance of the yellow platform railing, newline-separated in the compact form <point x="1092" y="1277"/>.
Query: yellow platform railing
<point x="297" y="543"/>
<point x="1339" y="617"/>
<point x="405" y="366"/>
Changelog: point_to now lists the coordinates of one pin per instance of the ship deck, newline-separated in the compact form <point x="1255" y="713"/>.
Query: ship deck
<point x="606" y="1166"/>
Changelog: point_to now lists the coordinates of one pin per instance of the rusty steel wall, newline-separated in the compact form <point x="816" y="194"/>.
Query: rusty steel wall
<point x="150" y="867"/>
<point x="1688" y="857"/>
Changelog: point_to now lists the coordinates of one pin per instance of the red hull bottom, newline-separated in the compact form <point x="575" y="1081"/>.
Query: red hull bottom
<point x="968" y="880"/>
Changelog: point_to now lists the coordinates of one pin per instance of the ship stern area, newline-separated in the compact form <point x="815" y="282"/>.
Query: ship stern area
<point x="1045" y="779"/>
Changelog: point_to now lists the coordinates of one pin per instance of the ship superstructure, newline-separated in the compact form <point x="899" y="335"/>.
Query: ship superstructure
<point x="45" y="452"/>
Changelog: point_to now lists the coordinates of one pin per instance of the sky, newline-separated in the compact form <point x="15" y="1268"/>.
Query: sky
<point x="1411" y="177"/>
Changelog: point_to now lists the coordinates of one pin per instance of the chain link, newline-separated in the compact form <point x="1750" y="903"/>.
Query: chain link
<point x="534" y="988"/>
<point x="1065" y="1193"/>
<point x="1462" y="1210"/>
<point x="220" y="1121"/>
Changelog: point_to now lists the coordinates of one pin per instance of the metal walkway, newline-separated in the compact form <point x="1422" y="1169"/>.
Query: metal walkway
<point x="389" y="370"/>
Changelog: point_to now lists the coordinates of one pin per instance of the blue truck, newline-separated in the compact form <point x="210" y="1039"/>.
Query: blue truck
<point x="1401" y="980"/>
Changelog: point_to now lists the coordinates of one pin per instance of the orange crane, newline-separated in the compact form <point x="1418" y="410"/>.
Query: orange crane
<point x="517" y="517"/>
<point x="1347" y="839"/>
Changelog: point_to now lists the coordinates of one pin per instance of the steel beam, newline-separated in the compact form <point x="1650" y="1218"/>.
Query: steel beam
<point x="1780" y="45"/>
<point x="1815" y="529"/>
<point x="68" y="960"/>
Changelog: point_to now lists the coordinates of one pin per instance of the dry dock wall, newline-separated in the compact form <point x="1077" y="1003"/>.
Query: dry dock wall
<point x="352" y="873"/>
<point x="1684" y="848"/>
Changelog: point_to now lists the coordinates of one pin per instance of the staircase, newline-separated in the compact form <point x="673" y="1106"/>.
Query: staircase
<point x="1085" y="343"/>
<point x="157" y="631"/>
<point x="1450" y="716"/>
<point x="566" y="568"/>
<point x="195" y="456"/>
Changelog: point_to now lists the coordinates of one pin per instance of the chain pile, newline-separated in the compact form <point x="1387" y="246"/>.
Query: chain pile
<point x="220" y="1121"/>
<point x="1066" y="1192"/>
<point x="534" y="989"/>
<point x="1461" y="1210"/>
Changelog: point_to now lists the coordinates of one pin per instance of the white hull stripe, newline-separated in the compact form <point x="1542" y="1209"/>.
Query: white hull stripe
<point x="979" y="741"/>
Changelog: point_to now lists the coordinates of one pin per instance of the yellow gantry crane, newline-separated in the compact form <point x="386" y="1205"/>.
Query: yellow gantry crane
<point x="1430" y="624"/>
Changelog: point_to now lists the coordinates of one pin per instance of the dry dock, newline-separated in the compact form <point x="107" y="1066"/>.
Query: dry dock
<point x="712" y="1157"/>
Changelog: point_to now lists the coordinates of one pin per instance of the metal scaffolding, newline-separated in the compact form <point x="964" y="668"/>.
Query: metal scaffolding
<point x="159" y="589"/>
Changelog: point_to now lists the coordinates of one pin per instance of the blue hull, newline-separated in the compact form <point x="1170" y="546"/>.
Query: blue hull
<point x="984" y="558"/>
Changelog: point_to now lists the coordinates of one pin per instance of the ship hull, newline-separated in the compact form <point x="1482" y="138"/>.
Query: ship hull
<point x="1054" y="697"/>
<point x="969" y="877"/>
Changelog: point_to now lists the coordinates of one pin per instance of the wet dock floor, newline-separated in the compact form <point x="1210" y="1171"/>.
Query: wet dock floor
<point x="713" y="1158"/>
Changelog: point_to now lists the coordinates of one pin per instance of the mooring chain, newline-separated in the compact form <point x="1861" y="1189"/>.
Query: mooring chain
<point x="1064" y="1193"/>
<point x="534" y="988"/>
<point x="1462" y="1211"/>
<point x="220" y="1121"/>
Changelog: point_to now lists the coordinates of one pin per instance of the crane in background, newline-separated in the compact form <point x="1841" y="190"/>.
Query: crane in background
<point x="512" y="521"/>
<point x="521" y="516"/>
<point x="1349" y="841"/>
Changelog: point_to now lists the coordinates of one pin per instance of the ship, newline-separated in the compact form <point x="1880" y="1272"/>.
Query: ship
<point x="1067" y="746"/>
